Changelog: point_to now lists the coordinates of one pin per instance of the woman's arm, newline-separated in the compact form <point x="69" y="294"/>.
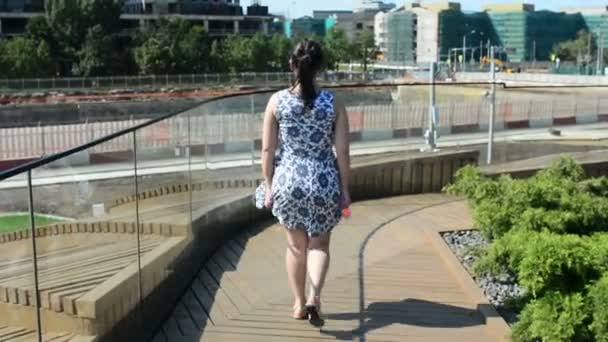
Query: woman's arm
<point x="343" y="149"/>
<point x="269" y="141"/>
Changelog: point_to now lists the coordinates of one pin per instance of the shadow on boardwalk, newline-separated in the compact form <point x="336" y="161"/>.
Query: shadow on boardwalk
<point x="414" y="312"/>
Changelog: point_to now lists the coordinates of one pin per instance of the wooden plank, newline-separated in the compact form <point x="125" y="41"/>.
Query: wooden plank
<point x="170" y="328"/>
<point x="196" y="310"/>
<point x="220" y="298"/>
<point x="185" y="320"/>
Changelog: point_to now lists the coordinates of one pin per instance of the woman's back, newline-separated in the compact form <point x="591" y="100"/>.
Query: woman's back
<point x="306" y="132"/>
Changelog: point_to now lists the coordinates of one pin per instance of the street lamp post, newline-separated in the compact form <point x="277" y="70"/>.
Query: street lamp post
<point x="464" y="48"/>
<point x="492" y="107"/>
<point x="464" y="53"/>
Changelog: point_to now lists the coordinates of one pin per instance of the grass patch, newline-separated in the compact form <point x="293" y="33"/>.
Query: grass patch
<point x="17" y="222"/>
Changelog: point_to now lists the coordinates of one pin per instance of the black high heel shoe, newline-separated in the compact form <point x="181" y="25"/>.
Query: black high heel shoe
<point x="314" y="317"/>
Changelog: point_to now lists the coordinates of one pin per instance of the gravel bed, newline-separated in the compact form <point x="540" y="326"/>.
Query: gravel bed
<point x="498" y="289"/>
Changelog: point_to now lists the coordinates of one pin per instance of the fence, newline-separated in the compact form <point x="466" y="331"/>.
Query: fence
<point x="160" y="81"/>
<point x="217" y="129"/>
<point x="544" y="79"/>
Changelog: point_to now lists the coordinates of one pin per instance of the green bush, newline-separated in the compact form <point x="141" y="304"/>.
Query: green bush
<point x="551" y="232"/>
<point x="553" y="318"/>
<point x="598" y="301"/>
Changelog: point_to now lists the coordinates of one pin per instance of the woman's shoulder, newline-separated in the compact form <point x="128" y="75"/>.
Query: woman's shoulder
<point x="326" y="94"/>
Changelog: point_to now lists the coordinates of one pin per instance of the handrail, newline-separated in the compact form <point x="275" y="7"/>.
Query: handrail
<point x="54" y="157"/>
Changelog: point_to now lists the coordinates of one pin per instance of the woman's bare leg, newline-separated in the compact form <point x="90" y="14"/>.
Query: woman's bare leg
<point x="318" y="264"/>
<point x="295" y="260"/>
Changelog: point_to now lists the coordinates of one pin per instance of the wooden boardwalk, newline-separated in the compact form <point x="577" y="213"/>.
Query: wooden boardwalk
<point x="386" y="283"/>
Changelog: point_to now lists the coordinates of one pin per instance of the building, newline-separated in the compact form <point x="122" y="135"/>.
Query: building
<point x="380" y="32"/>
<point x="14" y="15"/>
<point x="427" y="38"/>
<point x="21" y="5"/>
<point x="220" y="17"/>
<point x="217" y="7"/>
<point x="527" y="35"/>
<point x="419" y="32"/>
<point x="442" y="31"/>
<point x="355" y="23"/>
<point x="374" y="6"/>
<point x="306" y="26"/>
<point x="596" y="21"/>
<point x="401" y="37"/>
<point x="329" y="13"/>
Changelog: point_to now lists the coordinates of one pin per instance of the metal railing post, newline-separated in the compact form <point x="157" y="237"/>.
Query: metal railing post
<point x="34" y="255"/>
<point x="42" y="138"/>
<point x="137" y="226"/>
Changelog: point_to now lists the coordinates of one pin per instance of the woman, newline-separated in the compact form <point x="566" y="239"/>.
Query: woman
<point x="306" y="182"/>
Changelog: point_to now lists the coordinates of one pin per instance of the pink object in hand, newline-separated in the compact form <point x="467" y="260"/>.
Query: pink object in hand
<point x="346" y="212"/>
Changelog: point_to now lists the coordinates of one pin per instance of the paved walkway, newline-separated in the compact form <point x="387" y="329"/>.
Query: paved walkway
<point x="387" y="282"/>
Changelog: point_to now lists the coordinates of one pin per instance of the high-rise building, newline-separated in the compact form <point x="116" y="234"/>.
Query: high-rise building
<point x="401" y="37"/>
<point x="220" y="17"/>
<point x="380" y="32"/>
<point x="596" y="21"/>
<point x="526" y="34"/>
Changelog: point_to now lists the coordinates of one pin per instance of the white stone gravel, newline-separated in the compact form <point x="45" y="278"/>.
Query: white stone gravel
<point x="497" y="289"/>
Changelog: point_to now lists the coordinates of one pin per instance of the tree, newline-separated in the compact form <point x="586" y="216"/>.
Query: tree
<point x="154" y="55"/>
<point x="237" y="53"/>
<point x="260" y="53"/>
<point x="364" y="48"/>
<point x="194" y="48"/>
<point x="96" y="54"/>
<point x="280" y="47"/>
<point x="217" y="61"/>
<point x="172" y="46"/>
<point x="337" y="48"/>
<point x="71" y="22"/>
<point x="25" y="57"/>
<point x="575" y="50"/>
<point x="3" y="64"/>
<point x="38" y="29"/>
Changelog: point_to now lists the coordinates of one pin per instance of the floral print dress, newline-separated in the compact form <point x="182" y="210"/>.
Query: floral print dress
<point x="306" y="182"/>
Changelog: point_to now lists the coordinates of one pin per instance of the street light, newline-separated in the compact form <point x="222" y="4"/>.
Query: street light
<point x="464" y="48"/>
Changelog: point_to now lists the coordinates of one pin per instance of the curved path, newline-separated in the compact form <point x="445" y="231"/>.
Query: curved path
<point x="387" y="282"/>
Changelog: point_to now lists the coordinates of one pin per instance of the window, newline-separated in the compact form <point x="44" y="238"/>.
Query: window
<point x="359" y="26"/>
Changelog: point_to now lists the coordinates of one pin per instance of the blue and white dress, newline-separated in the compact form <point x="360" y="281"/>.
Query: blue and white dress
<point x="306" y="183"/>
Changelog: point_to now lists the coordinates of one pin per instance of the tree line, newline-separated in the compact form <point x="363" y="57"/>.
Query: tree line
<point x="84" y="38"/>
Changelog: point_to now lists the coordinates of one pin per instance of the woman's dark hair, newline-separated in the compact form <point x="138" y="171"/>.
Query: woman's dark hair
<point x="307" y="59"/>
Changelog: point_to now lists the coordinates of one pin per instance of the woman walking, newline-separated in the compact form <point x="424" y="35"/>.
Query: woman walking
<point x="306" y="181"/>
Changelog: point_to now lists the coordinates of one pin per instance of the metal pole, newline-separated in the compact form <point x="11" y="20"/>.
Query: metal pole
<point x="34" y="255"/>
<point x="599" y="52"/>
<point x="464" y="53"/>
<point x="137" y="227"/>
<point x="492" y="108"/>
<point x="432" y="101"/>
<point x="534" y="53"/>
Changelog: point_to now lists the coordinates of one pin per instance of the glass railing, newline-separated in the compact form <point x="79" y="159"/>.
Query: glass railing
<point x="106" y="231"/>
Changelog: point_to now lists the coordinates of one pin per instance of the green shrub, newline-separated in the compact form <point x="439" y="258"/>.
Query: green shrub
<point x="598" y="301"/>
<point x="596" y="186"/>
<point x="554" y="318"/>
<point x="551" y="232"/>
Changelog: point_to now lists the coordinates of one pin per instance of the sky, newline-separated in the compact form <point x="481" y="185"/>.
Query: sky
<point x="298" y="8"/>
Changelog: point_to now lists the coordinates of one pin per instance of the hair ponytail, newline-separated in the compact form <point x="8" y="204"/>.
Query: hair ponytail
<point x="306" y="61"/>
